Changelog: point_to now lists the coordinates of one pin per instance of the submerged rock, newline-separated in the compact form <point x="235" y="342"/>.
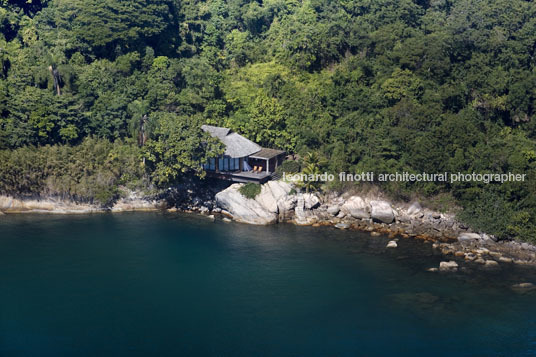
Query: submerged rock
<point x="524" y="286"/>
<point x="491" y="264"/>
<point x="392" y="244"/>
<point x="450" y="266"/>
<point x="342" y="226"/>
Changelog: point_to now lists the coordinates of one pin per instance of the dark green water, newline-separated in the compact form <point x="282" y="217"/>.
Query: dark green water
<point x="158" y="284"/>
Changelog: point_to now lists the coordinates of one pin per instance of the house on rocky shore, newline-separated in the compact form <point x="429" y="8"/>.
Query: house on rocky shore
<point x="243" y="160"/>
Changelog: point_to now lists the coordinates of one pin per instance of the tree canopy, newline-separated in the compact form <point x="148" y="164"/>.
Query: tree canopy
<point x="375" y="85"/>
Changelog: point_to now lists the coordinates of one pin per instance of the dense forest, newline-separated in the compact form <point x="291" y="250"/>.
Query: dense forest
<point x="369" y="85"/>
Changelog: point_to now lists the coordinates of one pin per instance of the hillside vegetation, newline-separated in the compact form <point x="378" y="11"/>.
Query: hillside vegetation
<point x="371" y="85"/>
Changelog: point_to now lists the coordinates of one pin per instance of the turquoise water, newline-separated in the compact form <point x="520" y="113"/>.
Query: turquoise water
<point x="161" y="284"/>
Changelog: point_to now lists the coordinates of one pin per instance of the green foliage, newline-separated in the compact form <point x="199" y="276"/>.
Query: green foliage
<point x="375" y="85"/>
<point x="92" y="171"/>
<point x="250" y="190"/>
<point x="179" y="148"/>
<point x="289" y="166"/>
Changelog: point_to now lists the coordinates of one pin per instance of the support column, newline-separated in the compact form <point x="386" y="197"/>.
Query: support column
<point x="267" y="165"/>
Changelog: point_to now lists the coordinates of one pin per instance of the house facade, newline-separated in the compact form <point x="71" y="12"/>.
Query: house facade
<point x="243" y="160"/>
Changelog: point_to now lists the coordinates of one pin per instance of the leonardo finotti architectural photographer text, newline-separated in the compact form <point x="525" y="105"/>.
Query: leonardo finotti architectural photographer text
<point x="408" y="177"/>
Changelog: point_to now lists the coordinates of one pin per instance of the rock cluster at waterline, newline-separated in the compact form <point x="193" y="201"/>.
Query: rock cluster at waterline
<point x="278" y="203"/>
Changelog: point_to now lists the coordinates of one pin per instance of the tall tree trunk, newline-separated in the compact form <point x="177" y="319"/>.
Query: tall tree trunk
<point x="56" y="78"/>
<point x="142" y="137"/>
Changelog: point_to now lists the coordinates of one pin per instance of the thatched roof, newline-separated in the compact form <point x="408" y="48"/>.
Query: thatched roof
<point x="235" y="144"/>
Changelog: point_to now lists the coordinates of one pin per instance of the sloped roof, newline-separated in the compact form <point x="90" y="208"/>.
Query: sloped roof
<point x="235" y="144"/>
<point x="266" y="153"/>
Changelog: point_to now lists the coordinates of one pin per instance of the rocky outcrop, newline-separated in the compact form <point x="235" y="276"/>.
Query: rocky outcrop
<point x="242" y="209"/>
<point x="49" y="205"/>
<point x="356" y="207"/>
<point x="286" y="206"/>
<point x="303" y="212"/>
<point x="137" y="204"/>
<point x="131" y="202"/>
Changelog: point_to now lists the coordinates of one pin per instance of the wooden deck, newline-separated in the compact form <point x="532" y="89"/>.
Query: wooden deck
<point x="242" y="176"/>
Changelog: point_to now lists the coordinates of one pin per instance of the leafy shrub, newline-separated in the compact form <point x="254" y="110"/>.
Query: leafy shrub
<point x="288" y="166"/>
<point x="250" y="190"/>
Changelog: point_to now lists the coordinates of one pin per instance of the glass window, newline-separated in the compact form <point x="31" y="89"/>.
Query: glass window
<point x="212" y="163"/>
<point x="226" y="164"/>
<point x="220" y="164"/>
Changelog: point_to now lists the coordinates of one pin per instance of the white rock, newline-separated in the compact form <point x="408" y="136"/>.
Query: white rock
<point x="356" y="207"/>
<point x="310" y="201"/>
<point x="342" y="226"/>
<point x="271" y="193"/>
<point x="392" y="244"/>
<point x="302" y="215"/>
<point x="333" y="210"/>
<point x="448" y="266"/>
<point x="382" y="211"/>
<point x="47" y="205"/>
<point x="491" y="264"/>
<point x="243" y="209"/>
<point x="468" y="237"/>
<point x="524" y="286"/>
<point x="286" y="206"/>
<point x="414" y="208"/>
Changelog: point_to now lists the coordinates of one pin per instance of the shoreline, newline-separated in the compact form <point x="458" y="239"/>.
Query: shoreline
<point x="277" y="204"/>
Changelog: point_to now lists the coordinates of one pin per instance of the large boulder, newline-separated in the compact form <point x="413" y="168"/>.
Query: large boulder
<point x="356" y="207"/>
<point x="382" y="211"/>
<point x="271" y="193"/>
<point x="244" y="210"/>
